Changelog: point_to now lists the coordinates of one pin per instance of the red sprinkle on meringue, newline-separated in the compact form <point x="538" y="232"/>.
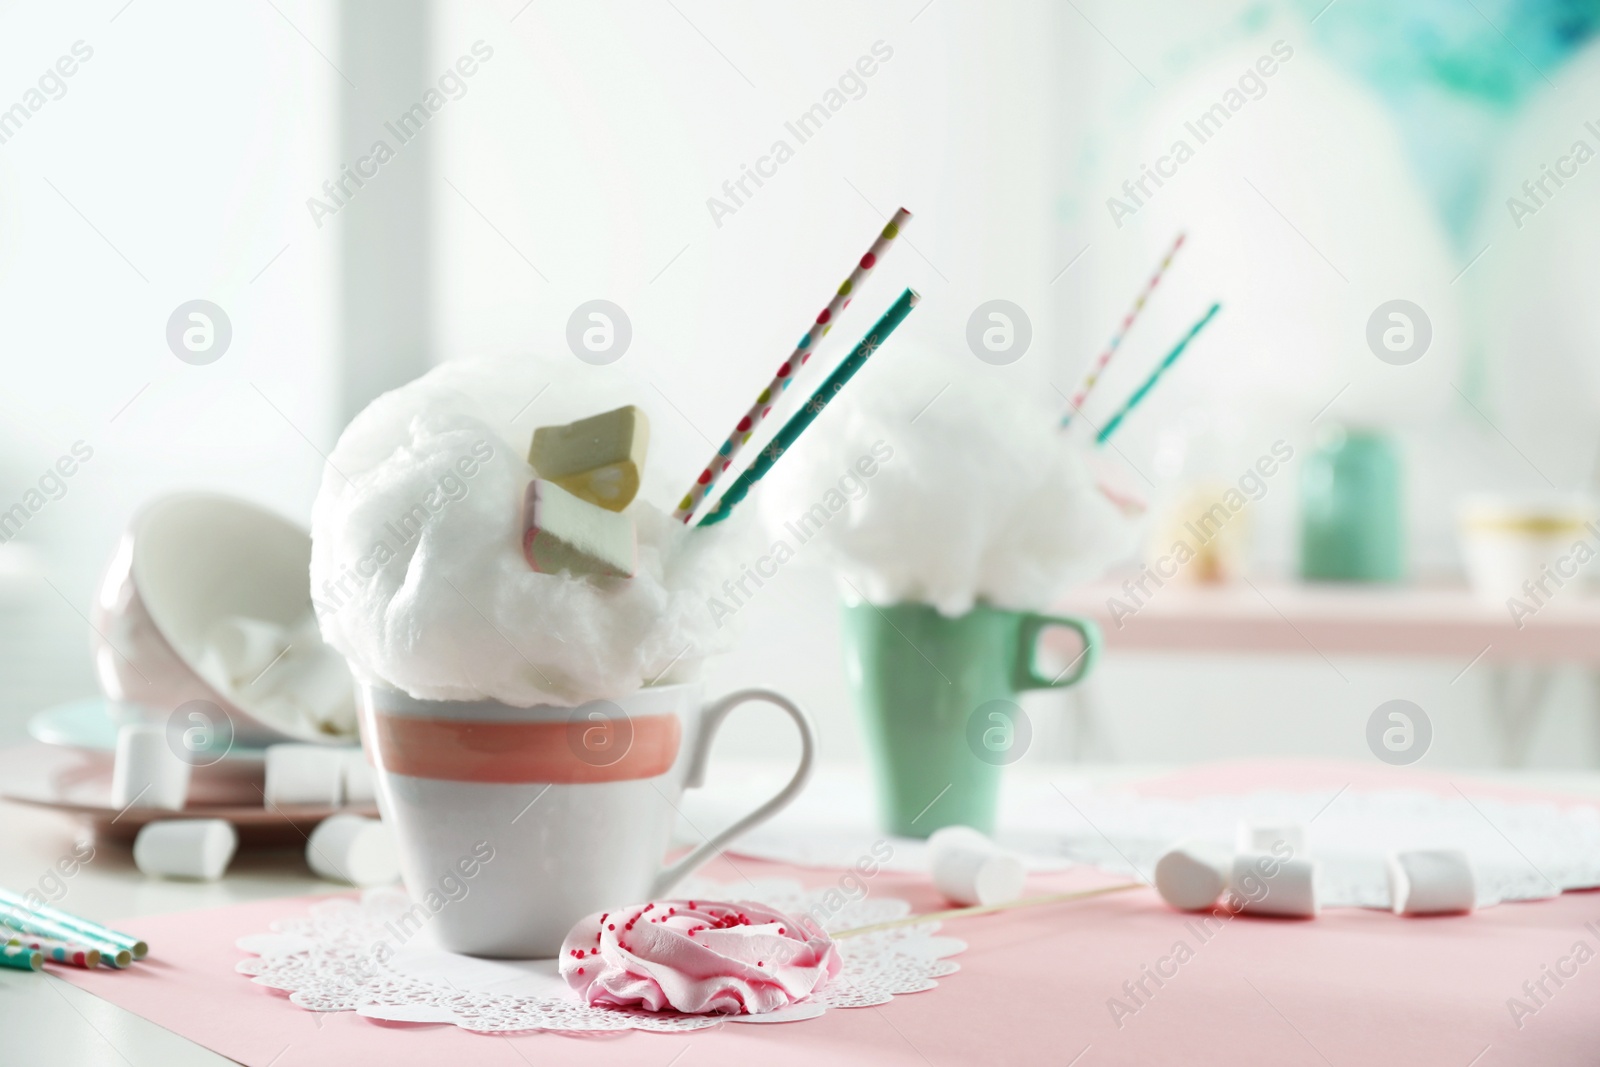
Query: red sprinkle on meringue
<point x="698" y="957"/>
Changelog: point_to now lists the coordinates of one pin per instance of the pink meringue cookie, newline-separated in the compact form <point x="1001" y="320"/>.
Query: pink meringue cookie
<point x="696" y="956"/>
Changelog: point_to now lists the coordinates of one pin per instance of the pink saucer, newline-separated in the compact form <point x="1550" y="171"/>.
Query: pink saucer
<point x="78" y="782"/>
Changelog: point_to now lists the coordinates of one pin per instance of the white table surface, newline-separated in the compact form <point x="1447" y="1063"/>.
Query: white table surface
<point x="48" y="1022"/>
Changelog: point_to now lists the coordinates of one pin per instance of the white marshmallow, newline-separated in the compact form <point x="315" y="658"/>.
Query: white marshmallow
<point x="353" y="849"/>
<point x="148" y="773"/>
<point x="360" y="781"/>
<point x="305" y="775"/>
<point x="1192" y="875"/>
<point x="1265" y="885"/>
<point x="185" y="848"/>
<point x="969" y="868"/>
<point x="1260" y="837"/>
<point x="1431" y="882"/>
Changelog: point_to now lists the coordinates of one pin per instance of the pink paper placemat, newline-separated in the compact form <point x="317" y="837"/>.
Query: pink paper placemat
<point x="1104" y="980"/>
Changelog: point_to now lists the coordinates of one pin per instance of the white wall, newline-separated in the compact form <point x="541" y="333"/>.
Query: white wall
<point x="174" y="167"/>
<point x="593" y="139"/>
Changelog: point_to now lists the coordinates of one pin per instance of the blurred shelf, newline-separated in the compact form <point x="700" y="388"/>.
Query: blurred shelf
<point x="1444" y="621"/>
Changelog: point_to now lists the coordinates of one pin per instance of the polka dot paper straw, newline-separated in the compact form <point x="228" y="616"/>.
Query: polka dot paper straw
<point x="19" y="958"/>
<point x="1099" y="365"/>
<point x="787" y="370"/>
<point x="58" y="951"/>
<point x="785" y="438"/>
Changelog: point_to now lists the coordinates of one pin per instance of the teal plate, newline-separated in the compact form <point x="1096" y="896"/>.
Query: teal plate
<point x="88" y="724"/>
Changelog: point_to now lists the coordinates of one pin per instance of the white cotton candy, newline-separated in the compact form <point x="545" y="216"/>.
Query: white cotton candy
<point x="946" y="488"/>
<point x="417" y="571"/>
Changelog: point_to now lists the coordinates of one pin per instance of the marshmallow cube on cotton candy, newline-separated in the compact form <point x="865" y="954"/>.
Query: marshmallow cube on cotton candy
<point x="1431" y="882"/>
<point x="564" y="532"/>
<point x="598" y="459"/>
<point x="418" y="575"/>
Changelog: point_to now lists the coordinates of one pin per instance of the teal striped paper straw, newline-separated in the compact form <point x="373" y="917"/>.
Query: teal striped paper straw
<point x="1149" y="383"/>
<point x="19" y="958"/>
<point x="83" y="927"/>
<point x="59" y="951"/>
<point x="24" y="921"/>
<point x="786" y="437"/>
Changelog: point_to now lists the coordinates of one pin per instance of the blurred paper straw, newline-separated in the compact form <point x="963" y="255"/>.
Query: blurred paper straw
<point x="1099" y="365"/>
<point x="787" y="370"/>
<point x="22" y="921"/>
<point x="1149" y="383"/>
<point x="58" y="951"/>
<point x="87" y="927"/>
<point x="786" y="437"/>
<point x="19" y="958"/>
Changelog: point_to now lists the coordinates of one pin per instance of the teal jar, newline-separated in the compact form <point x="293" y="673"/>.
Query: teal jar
<point x="1352" y="526"/>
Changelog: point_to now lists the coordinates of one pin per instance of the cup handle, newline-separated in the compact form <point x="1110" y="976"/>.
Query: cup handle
<point x="715" y="715"/>
<point x="1026" y="673"/>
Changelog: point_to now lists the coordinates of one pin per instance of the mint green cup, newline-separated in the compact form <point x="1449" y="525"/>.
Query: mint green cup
<point x="937" y="697"/>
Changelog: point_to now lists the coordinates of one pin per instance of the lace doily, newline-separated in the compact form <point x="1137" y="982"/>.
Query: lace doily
<point x="1519" y="850"/>
<point x="326" y="962"/>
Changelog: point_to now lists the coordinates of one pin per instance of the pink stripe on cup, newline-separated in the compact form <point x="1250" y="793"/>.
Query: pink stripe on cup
<point x="558" y="752"/>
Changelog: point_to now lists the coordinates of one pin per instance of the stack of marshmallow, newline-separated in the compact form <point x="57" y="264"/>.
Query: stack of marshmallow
<point x="1270" y="872"/>
<point x="587" y="474"/>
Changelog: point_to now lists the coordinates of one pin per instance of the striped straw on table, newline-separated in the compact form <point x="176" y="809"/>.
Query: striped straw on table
<point x="1096" y="368"/>
<point x="22" y="921"/>
<point x="135" y="946"/>
<point x="87" y="927"/>
<point x="786" y="437"/>
<point x="787" y="370"/>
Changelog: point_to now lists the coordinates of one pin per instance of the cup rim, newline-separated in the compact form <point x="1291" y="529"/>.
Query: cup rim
<point x="646" y="700"/>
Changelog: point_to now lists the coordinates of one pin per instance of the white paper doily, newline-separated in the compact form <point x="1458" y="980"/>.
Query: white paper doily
<point x="326" y="962"/>
<point x="1519" y="850"/>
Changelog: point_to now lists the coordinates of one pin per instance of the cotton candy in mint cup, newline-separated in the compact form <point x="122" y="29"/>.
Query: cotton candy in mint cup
<point x="532" y="732"/>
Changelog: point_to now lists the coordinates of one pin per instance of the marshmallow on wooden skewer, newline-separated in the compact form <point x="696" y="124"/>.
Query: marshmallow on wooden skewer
<point x="1264" y="884"/>
<point x="563" y="532"/>
<point x="148" y="773"/>
<point x="969" y="868"/>
<point x="305" y="775"/>
<point x="185" y="848"/>
<point x="1261" y="837"/>
<point x="1431" y="882"/>
<point x="1193" y="874"/>
<point x="353" y="849"/>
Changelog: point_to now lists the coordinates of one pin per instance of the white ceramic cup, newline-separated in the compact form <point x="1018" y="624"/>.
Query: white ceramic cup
<point x="186" y="561"/>
<point x="556" y="812"/>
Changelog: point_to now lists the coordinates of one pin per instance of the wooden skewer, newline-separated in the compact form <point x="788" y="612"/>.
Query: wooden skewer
<point x="987" y="909"/>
